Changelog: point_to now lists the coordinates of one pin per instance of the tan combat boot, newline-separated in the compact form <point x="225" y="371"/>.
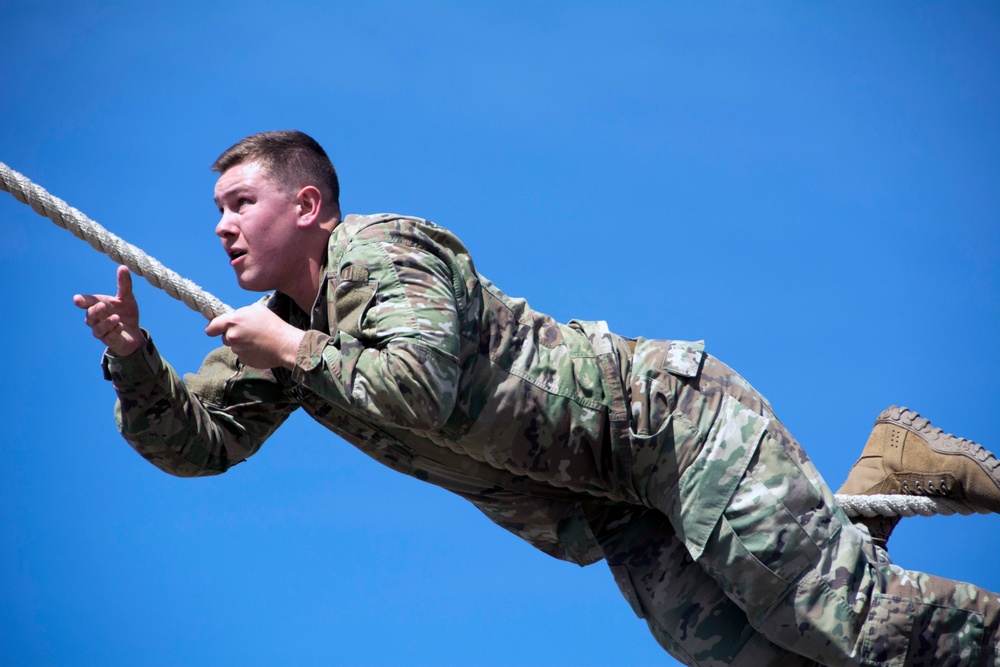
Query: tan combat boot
<point x="906" y="455"/>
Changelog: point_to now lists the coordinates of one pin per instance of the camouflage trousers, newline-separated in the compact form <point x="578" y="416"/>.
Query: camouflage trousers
<point x="739" y="555"/>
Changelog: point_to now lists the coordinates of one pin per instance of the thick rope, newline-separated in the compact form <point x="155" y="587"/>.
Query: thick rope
<point x="193" y="296"/>
<point x="899" y="505"/>
<point x="104" y="241"/>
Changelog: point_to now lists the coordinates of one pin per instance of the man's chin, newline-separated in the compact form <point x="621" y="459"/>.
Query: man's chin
<point x="246" y="282"/>
<point x="250" y="285"/>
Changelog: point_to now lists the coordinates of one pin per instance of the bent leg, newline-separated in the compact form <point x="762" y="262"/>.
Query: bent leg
<point x="813" y="583"/>
<point x="752" y="510"/>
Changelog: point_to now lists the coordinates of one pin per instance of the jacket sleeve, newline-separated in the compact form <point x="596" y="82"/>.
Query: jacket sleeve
<point x="393" y="354"/>
<point x="202" y="425"/>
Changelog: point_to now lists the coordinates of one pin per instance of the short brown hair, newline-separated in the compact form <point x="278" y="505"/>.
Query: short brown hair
<point x="292" y="158"/>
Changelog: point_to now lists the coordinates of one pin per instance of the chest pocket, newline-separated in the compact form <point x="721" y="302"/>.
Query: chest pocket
<point x="352" y="296"/>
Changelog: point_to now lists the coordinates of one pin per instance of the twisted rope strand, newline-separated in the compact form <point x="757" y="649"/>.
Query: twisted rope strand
<point x="900" y="505"/>
<point x="102" y="240"/>
<point x="198" y="299"/>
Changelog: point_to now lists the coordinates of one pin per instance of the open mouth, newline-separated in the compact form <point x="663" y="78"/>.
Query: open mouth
<point x="236" y="254"/>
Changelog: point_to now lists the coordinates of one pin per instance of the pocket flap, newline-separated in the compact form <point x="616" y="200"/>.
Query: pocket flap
<point x="683" y="357"/>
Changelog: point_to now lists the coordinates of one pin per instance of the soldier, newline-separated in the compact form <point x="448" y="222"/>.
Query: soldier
<point x="649" y="454"/>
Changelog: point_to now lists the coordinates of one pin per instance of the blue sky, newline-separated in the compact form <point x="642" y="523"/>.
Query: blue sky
<point x="812" y="188"/>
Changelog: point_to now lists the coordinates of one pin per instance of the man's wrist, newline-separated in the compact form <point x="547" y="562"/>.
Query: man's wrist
<point x="290" y="350"/>
<point x="114" y="354"/>
<point x="140" y="340"/>
<point x="128" y="370"/>
<point x="309" y="354"/>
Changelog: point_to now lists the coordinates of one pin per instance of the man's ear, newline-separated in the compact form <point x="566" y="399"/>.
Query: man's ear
<point x="309" y="202"/>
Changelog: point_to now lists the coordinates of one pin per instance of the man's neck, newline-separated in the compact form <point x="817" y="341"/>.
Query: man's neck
<point x="306" y="294"/>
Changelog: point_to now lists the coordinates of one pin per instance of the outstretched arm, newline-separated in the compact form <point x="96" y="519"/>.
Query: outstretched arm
<point x="199" y="426"/>
<point x="202" y="425"/>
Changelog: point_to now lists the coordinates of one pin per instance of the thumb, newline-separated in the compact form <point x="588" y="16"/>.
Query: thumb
<point x="125" y="284"/>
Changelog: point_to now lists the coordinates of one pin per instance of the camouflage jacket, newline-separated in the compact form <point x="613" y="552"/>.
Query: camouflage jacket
<point x="420" y="362"/>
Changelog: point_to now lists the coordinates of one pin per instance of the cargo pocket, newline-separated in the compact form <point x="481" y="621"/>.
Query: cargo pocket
<point x="771" y="532"/>
<point x="901" y="631"/>
<point x="708" y="484"/>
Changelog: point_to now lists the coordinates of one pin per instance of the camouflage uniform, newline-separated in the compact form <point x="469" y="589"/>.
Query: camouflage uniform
<point x="650" y="454"/>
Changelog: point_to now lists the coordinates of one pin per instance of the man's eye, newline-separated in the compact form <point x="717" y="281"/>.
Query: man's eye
<point x="241" y="202"/>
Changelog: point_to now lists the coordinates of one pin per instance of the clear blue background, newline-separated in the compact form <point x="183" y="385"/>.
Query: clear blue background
<point x="813" y="188"/>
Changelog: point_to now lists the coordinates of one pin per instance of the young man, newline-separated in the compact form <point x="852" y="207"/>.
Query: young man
<point x="650" y="454"/>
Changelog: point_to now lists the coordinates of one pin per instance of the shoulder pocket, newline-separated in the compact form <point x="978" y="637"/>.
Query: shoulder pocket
<point x="352" y="297"/>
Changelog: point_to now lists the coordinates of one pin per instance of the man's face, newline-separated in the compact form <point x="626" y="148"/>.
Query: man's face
<point x="258" y="228"/>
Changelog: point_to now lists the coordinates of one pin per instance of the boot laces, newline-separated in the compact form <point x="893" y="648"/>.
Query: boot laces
<point x="929" y="490"/>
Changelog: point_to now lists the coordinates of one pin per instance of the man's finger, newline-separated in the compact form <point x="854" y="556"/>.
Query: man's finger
<point x="84" y="301"/>
<point x="107" y="326"/>
<point x="124" y="283"/>
<point x="97" y="313"/>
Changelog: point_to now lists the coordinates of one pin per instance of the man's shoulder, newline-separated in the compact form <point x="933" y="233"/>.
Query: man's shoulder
<point x="392" y="228"/>
<point x="390" y="237"/>
<point x="381" y="223"/>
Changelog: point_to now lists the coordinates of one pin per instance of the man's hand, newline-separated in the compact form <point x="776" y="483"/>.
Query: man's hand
<point x="114" y="320"/>
<point x="258" y="337"/>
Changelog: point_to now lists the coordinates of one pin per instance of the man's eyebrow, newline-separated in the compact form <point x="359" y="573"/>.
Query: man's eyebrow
<point x="233" y="190"/>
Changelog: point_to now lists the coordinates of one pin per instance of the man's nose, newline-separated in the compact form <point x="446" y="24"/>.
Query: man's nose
<point x="226" y="227"/>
